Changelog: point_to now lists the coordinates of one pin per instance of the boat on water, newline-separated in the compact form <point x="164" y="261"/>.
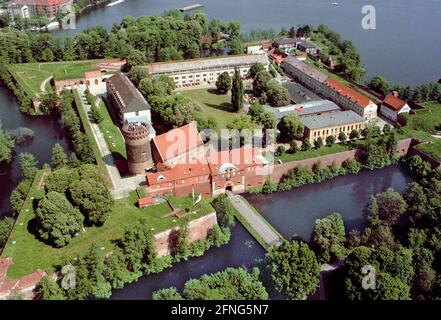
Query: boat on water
<point x="335" y="3"/>
<point x="115" y="3"/>
<point x="191" y="7"/>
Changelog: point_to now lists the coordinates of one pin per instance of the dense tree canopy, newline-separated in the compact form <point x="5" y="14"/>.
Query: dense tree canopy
<point x="291" y="127"/>
<point x="57" y="220"/>
<point x="328" y="237"/>
<point x="6" y="146"/>
<point x="223" y="83"/>
<point x="295" y="269"/>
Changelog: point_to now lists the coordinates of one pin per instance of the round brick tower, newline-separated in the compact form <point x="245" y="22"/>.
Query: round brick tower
<point x="139" y="156"/>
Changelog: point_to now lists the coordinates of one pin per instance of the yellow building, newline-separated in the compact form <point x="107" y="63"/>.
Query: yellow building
<point x="331" y="124"/>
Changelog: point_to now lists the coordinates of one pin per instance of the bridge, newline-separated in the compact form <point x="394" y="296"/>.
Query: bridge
<point x="259" y="228"/>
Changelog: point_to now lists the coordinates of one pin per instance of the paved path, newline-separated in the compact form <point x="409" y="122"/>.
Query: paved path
<point x="43" y="84"/>
<point x="121" y="186"/>
<point x="255" y="220"/>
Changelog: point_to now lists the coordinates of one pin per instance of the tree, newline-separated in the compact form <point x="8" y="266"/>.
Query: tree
<point x="278" y="95"/>
<point x="237" y="91"/>
<point x="318" y="143"/>
<point x="59" y="157"/>
<point x="60" y="180"/>
<point x="237" y="284"/>
<point x="328" y="237"/>
<point x="352" y="166"/>
<point x="47" y="289"/>
<point x="5" y="228"/>
<point x="224" y="211"/>
<point x="342" y="137"/>
<point x="354" y="135"/>
<point x="93" y="199"/>
<point x="419" y="167"/>
<point x="387" y="129"/>
<point x="260" y="82"/>
<point x="167" y="294"/>
<point x="137" y="73"/>
<point x="306" y="145"/>
<point x="293" y="147"/>
<point x="6" y="146"/>
<point x="294" y="269"/>
<point x="379" y="84"/>
<point x="330" y="140"/>
<point x="268" y="120"/>
<point x="135" y="58"/>
<point x="115" y="270"/>
<point x="57" y="220"/>
<point x="255" y="111"/>
<point x="290" y="127"/>
<point x="255" y="69"/>
<point x="96" y="114"/>
<point x="223" y="83"/>
<point x="28" y="165"/>
<point x="391" y="205"/>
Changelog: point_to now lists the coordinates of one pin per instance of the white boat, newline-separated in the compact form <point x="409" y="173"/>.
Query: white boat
<point x="115" y="3"/>
<point x="335" y="3"/>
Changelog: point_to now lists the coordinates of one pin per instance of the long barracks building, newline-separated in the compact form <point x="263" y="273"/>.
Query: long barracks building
<point x="345" y="97"/>
<point x="197" y="72"/>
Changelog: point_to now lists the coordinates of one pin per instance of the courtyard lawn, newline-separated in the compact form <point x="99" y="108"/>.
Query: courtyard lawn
<point x="29" y="253"/>
<point x="215" y="105"/>
<point x="30" y="76"/>
<point x="312" y="153"/>
<point x="425" y="123"/>
<point x="112" y="134"/>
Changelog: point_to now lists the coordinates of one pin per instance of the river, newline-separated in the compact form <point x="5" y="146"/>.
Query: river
<point x="294" y="212"/>
<point x="405" y="47"/>
<point x="47" y="132"/>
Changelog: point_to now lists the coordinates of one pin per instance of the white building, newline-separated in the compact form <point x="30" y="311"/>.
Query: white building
<point x="256" y="49"/>
<point x="392" y="105"/>
<point x="20" y="10"/>
<point x="347" y="98"/>
<point x="197" y="72"/>
<point x="127" y="103"/>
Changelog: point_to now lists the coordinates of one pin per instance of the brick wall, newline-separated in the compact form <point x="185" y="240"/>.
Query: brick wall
<point x="279" y="170"/>
<point x="198" y="229"/>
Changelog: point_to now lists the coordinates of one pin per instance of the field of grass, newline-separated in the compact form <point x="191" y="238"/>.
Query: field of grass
<point x="29" y="253"/>
<point x="215" y="105"/>
<point x="311" y="153"/>
<point x="423" y="125"/>
<point x="31" y="75"/>
<point x="112" y="134"/>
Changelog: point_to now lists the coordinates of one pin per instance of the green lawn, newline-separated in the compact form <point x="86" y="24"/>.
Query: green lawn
<point x="29" y="253"/>
<point x="311" y="153"/>
<point x="423" y="125"/>
<point x="31" y="75"/>
<point x="112" y="134"/>
<point x="215" y="105"/>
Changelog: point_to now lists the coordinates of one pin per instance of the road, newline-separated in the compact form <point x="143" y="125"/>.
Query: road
<point x="257" y="222"/>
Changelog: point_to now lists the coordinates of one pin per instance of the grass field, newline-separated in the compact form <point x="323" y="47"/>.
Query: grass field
<point x="30" y="76"/>
<point x="29" y="253"/>
<point x="311" y="153"/>
<point x="112" y="134"/>
<point x="215" y="105"/>
<point x="423" y="125"/>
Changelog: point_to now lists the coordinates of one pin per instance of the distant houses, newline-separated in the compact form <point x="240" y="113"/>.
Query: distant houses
<point x="30" y="8"/>
<point x="332" y="89"/>
<point x="392" y="106"/>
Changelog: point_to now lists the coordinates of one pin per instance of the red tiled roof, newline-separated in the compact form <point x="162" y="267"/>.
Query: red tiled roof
<point x="241" y="158"/>
<point x="180" y="171"/>
<point x="177" y="141"/>
<point x="349" y="93"/>
<point x="4" y="265"/>
<point x="42" y="2"/>
<point x="32" y="279"/>
<point x="392" y="101"/>
<point x="7" y="287"/>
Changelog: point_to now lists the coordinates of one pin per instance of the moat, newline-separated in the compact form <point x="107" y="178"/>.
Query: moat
<point x="291" y="213"/>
